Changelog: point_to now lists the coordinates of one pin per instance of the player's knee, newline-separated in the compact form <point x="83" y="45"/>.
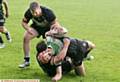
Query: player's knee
<point x="80" y="70"/>
<point x="27" y="37"/>
<point x="1" y="29"/>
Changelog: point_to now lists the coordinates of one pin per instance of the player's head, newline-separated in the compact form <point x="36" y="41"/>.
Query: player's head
<point x="45" y="56"/>
<point x="35" y="9"/>
<point x="41" y="46"/>
<point x="43" y="52"/>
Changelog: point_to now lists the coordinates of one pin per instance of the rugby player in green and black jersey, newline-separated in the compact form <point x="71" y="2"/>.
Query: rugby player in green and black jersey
<point x="3" y="15"/>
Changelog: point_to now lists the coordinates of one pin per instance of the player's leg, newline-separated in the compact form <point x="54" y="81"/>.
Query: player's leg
<point x="89" y="48"/>
<point x="67" y="65"/>
<point x="80" y="70"/>
<point x="77" y="64"/>
<point x="26" y="46"/>
<point x="1" y="43"/>
<point x="1" y="30"/>
<point x="7" y="34"/>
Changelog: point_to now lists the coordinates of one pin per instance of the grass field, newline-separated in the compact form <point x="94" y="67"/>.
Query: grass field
<point x="95" y="20"/>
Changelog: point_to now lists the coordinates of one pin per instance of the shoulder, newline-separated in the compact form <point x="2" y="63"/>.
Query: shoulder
<point x="48" y="14"/>
<point x="47" y="11"/>
<point x="28" y="13"/>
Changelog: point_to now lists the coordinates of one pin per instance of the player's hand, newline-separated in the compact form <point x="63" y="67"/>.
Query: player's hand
<point x="48" y="33"/>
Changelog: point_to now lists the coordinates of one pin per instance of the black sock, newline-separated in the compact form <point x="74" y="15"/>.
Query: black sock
<point x="7" y="35"/>
<point x="1" y="40"/>
<point x="27" y="59"/>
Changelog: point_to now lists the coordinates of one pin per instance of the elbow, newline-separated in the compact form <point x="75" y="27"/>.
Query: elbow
<point x="22" y="23"/>
<point x="60" y="58"/>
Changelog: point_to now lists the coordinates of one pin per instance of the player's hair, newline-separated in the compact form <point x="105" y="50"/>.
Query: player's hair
<point x="41" y="46"/>
<point x="34" y="5"/>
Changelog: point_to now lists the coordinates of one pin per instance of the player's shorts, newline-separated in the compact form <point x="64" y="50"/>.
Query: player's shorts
<point x="66" y="67"/>
<point x="77" y="51"/>
<point x="2" y="19"/>
<point x="41" y="30"/>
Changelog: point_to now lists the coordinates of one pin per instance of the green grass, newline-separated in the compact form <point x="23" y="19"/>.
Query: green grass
<point x="95" y="20"/>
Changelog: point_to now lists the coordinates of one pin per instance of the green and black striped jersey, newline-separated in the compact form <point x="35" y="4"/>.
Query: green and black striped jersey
<point x="55" y="44"/>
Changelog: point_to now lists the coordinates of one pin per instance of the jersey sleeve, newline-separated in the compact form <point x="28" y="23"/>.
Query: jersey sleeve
<point x="28" y="15"/>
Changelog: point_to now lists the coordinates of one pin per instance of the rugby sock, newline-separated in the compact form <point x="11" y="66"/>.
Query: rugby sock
<point x="1" y="40"/>
<point x="27" y="59"/>
<point x="7" y="35"/>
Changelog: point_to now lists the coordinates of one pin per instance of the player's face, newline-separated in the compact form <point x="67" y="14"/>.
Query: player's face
<point x="37" y="12"/>
<point x="45" y="56"/>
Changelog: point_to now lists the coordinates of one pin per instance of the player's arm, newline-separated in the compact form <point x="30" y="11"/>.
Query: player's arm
<point x="26" y="26"/>
<point x="58" y="58"/>
<point x="26" y="19"/>
<point x="58" y="74"/>
<point x="54" y="24"/>
<point x="25" y="23"/>
<point x="80" y="70"/>
<point x="51" y="17"/>
<point x="6" y="8"/>
<point x="57" y="32"/>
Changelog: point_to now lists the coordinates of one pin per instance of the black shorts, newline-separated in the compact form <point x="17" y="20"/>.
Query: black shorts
<point x="77" y="51"/>
<point x="66" y="67"/>
<point x="41" y="30"/>
<point x="2" y="19"/>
